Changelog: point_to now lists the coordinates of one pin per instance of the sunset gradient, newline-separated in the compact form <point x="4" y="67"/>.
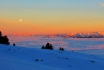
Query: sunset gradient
<point x="51" y="16"/>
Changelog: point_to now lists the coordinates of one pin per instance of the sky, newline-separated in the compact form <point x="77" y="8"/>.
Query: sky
<point x="51" y="16"/>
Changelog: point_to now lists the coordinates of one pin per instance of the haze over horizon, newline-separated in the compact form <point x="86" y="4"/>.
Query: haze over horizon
<point x="51" y="16"/>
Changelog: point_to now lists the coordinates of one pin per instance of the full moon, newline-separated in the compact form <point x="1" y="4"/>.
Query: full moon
<point x="20" y="20"/>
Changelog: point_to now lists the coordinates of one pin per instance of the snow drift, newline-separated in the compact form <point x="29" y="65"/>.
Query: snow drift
<point x="20" y="58"/>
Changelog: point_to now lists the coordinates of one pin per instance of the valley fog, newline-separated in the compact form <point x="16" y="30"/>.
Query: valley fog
<point x="93" y="46"/>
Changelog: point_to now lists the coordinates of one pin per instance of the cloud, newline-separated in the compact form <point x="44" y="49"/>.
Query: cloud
<point x="101" y="4"/>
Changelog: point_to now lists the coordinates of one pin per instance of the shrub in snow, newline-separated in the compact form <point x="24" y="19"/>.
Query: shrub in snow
<point x="14" y="44"/>
<point x="41" y="60"/>
<point x="61" y="49"/>
<point x="4" y="39"/>
<point x="36" y="60"/>
<point x="69" y="65"/>
<point x="43" y="47"/>
<point x="49" y="46"/>
<point x="72" y="51"/>
<point x="66" y="58"/>
<point x="92" y="61"/>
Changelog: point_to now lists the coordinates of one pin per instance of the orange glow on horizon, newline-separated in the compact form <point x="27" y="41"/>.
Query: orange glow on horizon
<point x="52" y="26"/>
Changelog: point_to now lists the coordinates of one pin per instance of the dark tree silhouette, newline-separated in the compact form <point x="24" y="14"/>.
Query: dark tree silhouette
<point x="4" y="39"/>
<point x="36" y="60"/>
<point x="49" y="46"/>
<point x="43" y="47"/>
<point x="0" y="34"/>
<point x="61" y="49"/>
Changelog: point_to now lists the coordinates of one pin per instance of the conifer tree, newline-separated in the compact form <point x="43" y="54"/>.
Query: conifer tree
<point x="4" y="39"/>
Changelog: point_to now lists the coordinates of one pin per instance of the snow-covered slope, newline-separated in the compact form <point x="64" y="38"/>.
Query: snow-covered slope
<point x="20" y="58"/>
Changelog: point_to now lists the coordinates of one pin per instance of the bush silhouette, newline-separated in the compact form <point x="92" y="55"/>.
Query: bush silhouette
<point x="36" y="60"/>
<point x="43" y="47"/>
<point x="61" y="49"/>
<point x="0" y="34"/>
<point x="48" y="46"/>
<point x="4" y="39"/>
<point x="14" y="44"/>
